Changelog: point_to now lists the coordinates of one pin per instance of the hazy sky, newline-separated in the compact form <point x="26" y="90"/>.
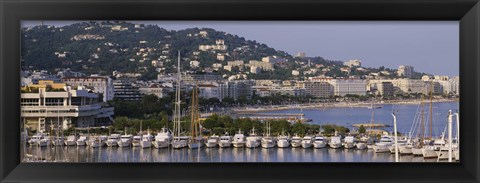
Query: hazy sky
<point x="429" y="46"/>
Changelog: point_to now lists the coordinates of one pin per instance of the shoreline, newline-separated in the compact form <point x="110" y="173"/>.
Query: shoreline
<point x="244" y="110"/>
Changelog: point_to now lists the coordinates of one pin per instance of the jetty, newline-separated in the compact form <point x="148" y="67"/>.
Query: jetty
<point x="369" y="125"/>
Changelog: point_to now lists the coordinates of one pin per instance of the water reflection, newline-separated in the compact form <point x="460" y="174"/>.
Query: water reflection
<point x="136" y="154"/>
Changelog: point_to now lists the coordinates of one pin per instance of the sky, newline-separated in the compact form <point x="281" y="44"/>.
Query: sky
<point x="428" y="46"/>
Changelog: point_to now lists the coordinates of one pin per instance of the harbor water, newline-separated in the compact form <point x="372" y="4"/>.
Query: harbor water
<point x="338" y="116"/>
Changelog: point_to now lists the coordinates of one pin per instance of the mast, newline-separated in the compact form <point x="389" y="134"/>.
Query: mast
<point x="431" y="113"/>
<point x="422" y="125"/>
<point x="176" y="112"/>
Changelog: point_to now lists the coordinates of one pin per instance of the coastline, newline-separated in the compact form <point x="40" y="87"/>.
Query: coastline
<point x="243" y="110"/>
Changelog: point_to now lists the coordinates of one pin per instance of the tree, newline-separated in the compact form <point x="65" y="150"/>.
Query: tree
<point x="362" y="129"/>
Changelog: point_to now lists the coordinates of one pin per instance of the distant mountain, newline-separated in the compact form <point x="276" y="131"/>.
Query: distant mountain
<point x="107" y="46"/>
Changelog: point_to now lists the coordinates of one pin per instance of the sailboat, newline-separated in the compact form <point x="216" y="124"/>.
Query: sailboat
<point x="368" y="140"/>
<point x="267" y="140"/>
<point x="197" y="140"/>
<point x="419" y="143"/>
<point x="428" y="151"/>
<point x="178" y="141"/>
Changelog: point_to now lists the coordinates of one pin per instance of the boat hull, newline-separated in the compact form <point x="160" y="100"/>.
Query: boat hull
<point x="348" y="145"/>
<point x="307" y="145"/>
<point x="296" y="144"/>
<point x="252" y="144"/>
<point x="160" y="144"/>
<point x="417" y="151"/>
<point x="319" y="145"/>
<point x="405" y="150"/>
<point x="70" y="143"/>
<point x="224" y="144"/>
<point x="211" y="144"/>
<point x="429" y="153"/>
<point x="179" y="144"/>
<point x="112" y="143"/>
<point x="145" y="144"/>
<point x="283" y="144"/>
<point x="238" y="144"/>
<point x="381" y="149"/>
<point x="335" y="145"/>
<point x="361" y="146"/>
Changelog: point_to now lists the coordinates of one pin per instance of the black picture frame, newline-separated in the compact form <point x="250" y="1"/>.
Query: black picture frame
<point x="12" y="12"/>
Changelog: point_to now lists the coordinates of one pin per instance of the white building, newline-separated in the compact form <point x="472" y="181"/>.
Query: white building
<point x="155" y="89"/>
<point x="353" y="63"/>
<point x="344" y="87"/>
<point x="209" y="90"/>
<point x="43" y="110"/>
<point x="273" y="59"/>
<point x="319" y="89"/>
<point x="98" y="84"/>
<point x="405" y="71"/>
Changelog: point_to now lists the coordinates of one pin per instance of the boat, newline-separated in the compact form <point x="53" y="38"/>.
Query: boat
<point x="146" y="141"/>
<point x="253" y="140"/>
<point x="212" y="141"/>
<point x="267" y="140"/>
<point x="296" y="141"/>
<point x="113" y="140"/>
<point x="45" y="141"/>
<point x="362" y="143"/>
<point x="35" y="138"/>
<point x="225" y="141"/>
<point x="400" y="142"/>
<point x="197" y="141"/>
<point x="335" y="142"/>
<point x="162" y="139"/>
<point x="71" y="140"/>
<point x="320" y="142"/>
<point x="178" y="141"/>
<point x="95" y="142"/>
<point x="283" y="140"/>
<point x="82" y="140"/>
<point x="385" y="142"/>
<point x="125" y="140"/>
<point x="58" y="141"/>
<point x="349" y="142"/>
<point x="136" y="140"/>
<point x="307" y="141"/>
<point x="238" y="139"/>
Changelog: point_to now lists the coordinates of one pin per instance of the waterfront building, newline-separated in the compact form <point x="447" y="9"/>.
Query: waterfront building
<point x="49" y="103"/>
<point x="412" y="86"/>
<point x="318" y="89"/>
<point x="405" y="71"/>
<point x="155" y="89"/>
<point x="353" y="63"/>
<point x="344" y="87"/>
<point x="383" y="88"/>
<point x="125" y="90"/>
<point x="98" y="84"/>
<point x="240" y="88"/>
<point x="455" y="85"/>
<point x="209" y="90"/>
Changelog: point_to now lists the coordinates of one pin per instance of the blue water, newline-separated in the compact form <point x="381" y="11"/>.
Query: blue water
<point x="405" y="116"/>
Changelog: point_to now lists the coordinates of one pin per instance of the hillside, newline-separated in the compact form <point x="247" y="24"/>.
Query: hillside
<point x="104" y="47"/>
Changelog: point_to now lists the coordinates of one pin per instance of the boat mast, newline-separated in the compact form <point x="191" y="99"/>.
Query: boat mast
<point x="176" y="112"/>
<point x="422" y="125"/>
<point x="431" y="113"/>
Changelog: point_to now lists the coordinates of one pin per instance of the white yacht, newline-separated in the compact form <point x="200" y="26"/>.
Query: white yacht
<point x="59" y="141"/>
<point x="239" y="139"/>
<point x="95" y="142"/>
<point x="136" y="140"/>
<point x="35" y="138"/>
<point x="283" y="141"/>
<point x="113" y="140"/>
<point x="400" y="142"/>
<point x="349" y="142"/>
<point x="225" y="141"/>
<point x="320" y="142"/>
<point x="253" y="140"/>
<point x="385" y="142"/>
<point x="82" y="141"/>
<point x="71" y="140"/>
<point x="125" y="141"/>
<point x="307" y="142"/>
<point x="267" y="140"/>
<point x="362" y="143"/>
<point x="212" y="141"/>
<point x="180" y="142"/>
<point x="45" y="141"/>
<point x="296" y="141"/>
<point x="146" y="141"/>
<point x="335" y="142"/>
<point x="163" y="139"/>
